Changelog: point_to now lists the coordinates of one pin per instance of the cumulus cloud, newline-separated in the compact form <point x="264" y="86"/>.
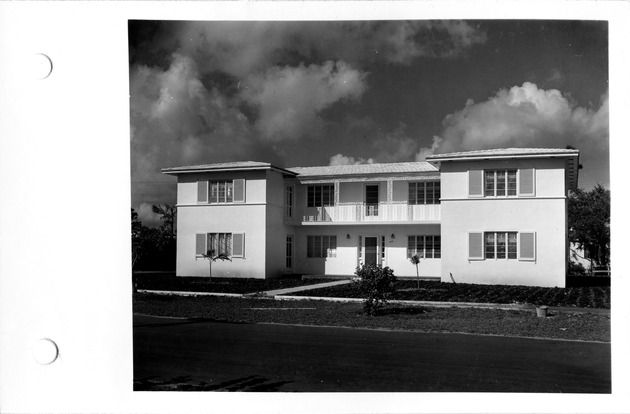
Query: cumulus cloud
<point x="243" y="48"/>
<point x="176" y="120"/>
<point x="290" y="98"/>
<point x="340" y="159"/>
<point x="526" y="116"/>
<point x="204" y="92"/>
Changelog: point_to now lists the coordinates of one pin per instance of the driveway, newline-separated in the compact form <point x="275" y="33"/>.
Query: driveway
<point x="180" y="354"/>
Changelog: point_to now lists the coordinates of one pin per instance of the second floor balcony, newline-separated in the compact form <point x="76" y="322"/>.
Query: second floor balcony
<point x="362" y="212"/>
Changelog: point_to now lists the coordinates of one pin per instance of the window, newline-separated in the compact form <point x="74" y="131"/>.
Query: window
<point x="321" y="246"/>
<point x="289" y="252"/>
<point x="500" y="245"/>
<point x="230" y="244"/>
<point x="427" y="247"/>
<point x="320" y="195"/>
<point x="499" y="183"/>
<point x="220" y="192"/>
<point x="424" y="192"/>
<point x="224" y="191"/>
<point x="289" y="201"/>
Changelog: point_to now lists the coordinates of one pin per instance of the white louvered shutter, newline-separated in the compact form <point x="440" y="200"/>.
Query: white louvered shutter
<point x="475" y="183"/>
<point x="527" y="182"/>
<point x="200" y="246"/>
<point x="475" y="246"/>
<point x="527" y="246"/>
<point x="202" y="191"/>
<point x="238" y="245"/>
<point x="239" y="190"/>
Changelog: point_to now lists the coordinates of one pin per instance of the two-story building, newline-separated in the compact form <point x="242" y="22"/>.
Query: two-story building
<point x="493" y="216"/>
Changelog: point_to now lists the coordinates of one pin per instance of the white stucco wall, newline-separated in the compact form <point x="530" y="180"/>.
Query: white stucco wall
<point x="276" y="229"/>
<point x="346" y="261"/>
<point x="248" y="218"/>
<point x="544" y="214"/>
<point x="255" y="186"/>
<point x="549" y="175"/>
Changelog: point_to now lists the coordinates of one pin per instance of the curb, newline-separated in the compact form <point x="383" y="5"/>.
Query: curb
<point x="432" y="304"/>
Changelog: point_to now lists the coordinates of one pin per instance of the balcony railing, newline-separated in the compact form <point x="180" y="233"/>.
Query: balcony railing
<point x="372" y="213"/>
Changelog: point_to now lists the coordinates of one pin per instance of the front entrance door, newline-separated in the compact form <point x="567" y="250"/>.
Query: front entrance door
<point x="371" y="244"/>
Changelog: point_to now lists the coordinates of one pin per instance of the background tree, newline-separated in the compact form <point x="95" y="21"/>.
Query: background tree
<point x="589" y="223"/>
<point x="154" y="248"/>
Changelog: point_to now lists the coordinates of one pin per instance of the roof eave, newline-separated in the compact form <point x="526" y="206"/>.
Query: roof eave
<point x="179" y="170"/>
<point x="498" y="157"/>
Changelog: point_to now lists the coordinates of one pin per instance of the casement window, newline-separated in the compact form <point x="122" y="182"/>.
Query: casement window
<point x="500" y="245"/>
<point x="320" y="195"/>
<point x="426" y="247"/>
<point x="288" y="201"/>
<point x="424" y="192"/>
<point x="501" y="183"/>
<point x="321" y="246"/>
<point x="230" y="244"/>
<point x="221" y="191"/>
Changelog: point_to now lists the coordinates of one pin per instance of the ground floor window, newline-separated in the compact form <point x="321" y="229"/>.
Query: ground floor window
<point x="289" y="252"/>
<point x="230" y="244"/>
<point x="500" y="245"/>
<point x="509" y="245"/>
<point x="426" y="247"/>
<point x="321" y="246"/>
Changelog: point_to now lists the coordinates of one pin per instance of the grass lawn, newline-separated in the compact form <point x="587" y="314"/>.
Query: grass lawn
<point x="578" y="296"/>
<point x="562" y="325"/>
<point x="157" y="281"/>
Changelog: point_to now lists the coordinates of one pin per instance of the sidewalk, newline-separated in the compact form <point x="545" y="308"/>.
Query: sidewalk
<point x="280" y="294"/>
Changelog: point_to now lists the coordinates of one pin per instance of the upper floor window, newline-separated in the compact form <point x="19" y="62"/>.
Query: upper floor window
<point x="221" y="191"/>
<point x="320" y="195"/>
<point x="502" y="183"/>
<point x="288" y="201"/>
<point x="499" y="183"/>
<point x="424" y="192"/>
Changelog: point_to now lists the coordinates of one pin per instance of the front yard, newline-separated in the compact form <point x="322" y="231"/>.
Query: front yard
<point x="561" y="325"/>
<point x="157" y="281"/>
<point x="578" y="296"/>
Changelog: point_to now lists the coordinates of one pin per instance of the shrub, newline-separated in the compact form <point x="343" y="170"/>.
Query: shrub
<point x="575" y="269"/>
<point x="376" y="283"/>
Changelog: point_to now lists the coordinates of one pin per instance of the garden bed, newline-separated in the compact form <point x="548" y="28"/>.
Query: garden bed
<point x="560" y="325"/>
<point x="581" y="296"/>
<point x="170" y="282"/>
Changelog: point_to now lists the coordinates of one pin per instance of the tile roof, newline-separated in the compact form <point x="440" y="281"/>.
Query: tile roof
<point x="504" y="152"/>
<point x="364" y="169"/>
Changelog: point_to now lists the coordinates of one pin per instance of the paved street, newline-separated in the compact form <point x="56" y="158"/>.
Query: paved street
<point x="209" y="355"/>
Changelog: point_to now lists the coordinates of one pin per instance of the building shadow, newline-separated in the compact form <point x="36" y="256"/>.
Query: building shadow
<point x="252" y="383"/>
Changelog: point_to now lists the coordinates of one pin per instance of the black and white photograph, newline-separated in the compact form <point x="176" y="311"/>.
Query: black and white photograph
<point x="371" y="206"/>
<point x="314" y="207"/>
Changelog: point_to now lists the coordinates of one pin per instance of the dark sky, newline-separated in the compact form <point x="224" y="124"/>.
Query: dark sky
<point x="320" y="93"/>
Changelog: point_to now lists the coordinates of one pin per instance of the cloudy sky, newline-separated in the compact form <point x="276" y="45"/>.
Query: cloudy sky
<point x="323" y="93"/>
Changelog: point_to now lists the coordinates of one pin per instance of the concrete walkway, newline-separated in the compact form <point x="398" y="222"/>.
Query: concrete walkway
<point x="306" y="287"/>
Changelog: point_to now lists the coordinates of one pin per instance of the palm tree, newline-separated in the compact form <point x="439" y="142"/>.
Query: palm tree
<point x="415" y="259"/>
<point x="210" y="255"/>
